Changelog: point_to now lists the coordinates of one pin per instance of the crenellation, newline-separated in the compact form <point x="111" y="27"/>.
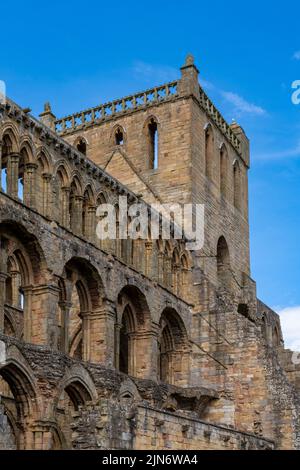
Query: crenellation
<point x="134" y="344"/>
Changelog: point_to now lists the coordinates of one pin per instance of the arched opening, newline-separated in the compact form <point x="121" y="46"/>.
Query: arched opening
<point x="14" y="296"/>
<point x="119" y="136"/>
<point x="81" y="145"/>
<point x="223" y="170"/>
<point x="167" y="264"/>
<point x="133" y="349"/>
<point x="61" y="190"/>
<point x="24" y="266"/>
<point x="223" y="263"/>
<point x="17" y="403"/>
<point x="127" y="328"/>
<point x="209" y="151"/>
<point x="236" y="185"/>
<point x="43" y="185"/>
<point x="74" y="396"/>
<point x="175" y="271"/>
<point x="81" y="292"/>
<point x="103" y="244"/>
<point x="153" y="143"/>
<point x="9" y="169"/>
<point x="75" y="207"/>
<point x="173" y="363"/>
<point x="184" y="275"/>
<point x="24" y="158"/>
<point x="88" y="215"/>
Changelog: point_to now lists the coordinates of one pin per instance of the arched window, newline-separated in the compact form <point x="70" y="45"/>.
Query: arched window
<point x="126" y="346"/>
<point x="209" y="151"/>
<point x="173" y="364"/>
<point x="43" y="185"/>
<point x="153" y="144"/>
<point x="223" y="263"/>
<point x="133" y="347"/>
<point x="22" y="160"/>
<point x="119" y="136"/>
<point x="175" y="270"/>
<point x="223" y="170"/>
<point x="88" y="214"/>
<point x="75" y="207"/>
<point x="61" y="196"/>
<point x="81" y="145"/>
<point x="236" y="185"/>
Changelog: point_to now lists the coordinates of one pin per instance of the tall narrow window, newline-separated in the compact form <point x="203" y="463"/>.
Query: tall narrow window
<point x="119" y="137"/>
<point x="153" y="144"/>
<point x="209" y="151"/>
<point x="21" y="177"/>
<point x="4" y="176"/>
<point x="236" y="185"/>
<point x="81" y="146"/>
<point x="223" y="170"/>
<point x="223" y="263"/>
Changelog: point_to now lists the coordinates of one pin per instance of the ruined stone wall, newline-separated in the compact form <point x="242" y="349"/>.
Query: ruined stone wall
<point x="202" y="364"/>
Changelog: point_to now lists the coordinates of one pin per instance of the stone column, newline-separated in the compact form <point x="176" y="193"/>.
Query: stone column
<point x="148" y="258"/>
<point x="91" y="223"/>
<point x="27" y="314"/>
<point x="160" y="267"/>
<point x="47" y="212"/>
<point x="77" y="216"/>
<point x="98" y="329"/>
<point x="145" y="353"/>
<point x="118" y="327"/>
<point x="3" y="277"/>
<point x="40" y="314"/>
<point x="65" y="317"/>
<point x="12" y="174"/>
<point x="30" y="184"/>
<point x="64" y="207"/>
<point x="15" y="284"/>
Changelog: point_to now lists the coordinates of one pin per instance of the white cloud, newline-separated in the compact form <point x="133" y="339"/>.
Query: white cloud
<point x="290" y="324"/>
<point x="281" y="154"/>
<point x="242" y="106"/>
<point x="296" y="55"/>
<point x="163" y="73"/>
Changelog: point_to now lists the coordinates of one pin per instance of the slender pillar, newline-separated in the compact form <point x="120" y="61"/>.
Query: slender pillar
<point x="30" y="184"/>
<point x="148" y="258"/>
<point x="65" y="320"/>
<point x="46" y="188"/>
<point x="64" y="207"/>
<point x="12" y="174"/>
<point x="3" y="277"/>
<point x="76" y="217"/>
<point x="91" y="223"/>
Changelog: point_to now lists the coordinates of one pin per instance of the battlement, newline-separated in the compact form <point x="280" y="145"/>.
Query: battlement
<point x="109" y="110"/>
<point x="139" y="101"/>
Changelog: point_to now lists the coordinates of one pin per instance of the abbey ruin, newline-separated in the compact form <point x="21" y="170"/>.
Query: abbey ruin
<point x="134" y="344"/>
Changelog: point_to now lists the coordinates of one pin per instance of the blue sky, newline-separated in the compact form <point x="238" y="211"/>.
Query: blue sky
<point x="77" y="54"/>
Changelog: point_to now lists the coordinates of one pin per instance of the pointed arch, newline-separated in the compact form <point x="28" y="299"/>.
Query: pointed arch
<point x="209" y="150"/>
<point x="81" y="145"/>
<point x="151" y="132"/>
<point x="223" y="263"/>
<point x="173" y="346"/>
<point x="223" y="170"/>
<point x="236" y="184"/>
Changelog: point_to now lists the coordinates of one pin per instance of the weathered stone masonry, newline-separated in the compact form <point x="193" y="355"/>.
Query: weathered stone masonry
<point x="134" y="344"/>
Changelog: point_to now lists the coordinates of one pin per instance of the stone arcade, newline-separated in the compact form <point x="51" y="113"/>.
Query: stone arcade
<point x="141" y="344"/>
